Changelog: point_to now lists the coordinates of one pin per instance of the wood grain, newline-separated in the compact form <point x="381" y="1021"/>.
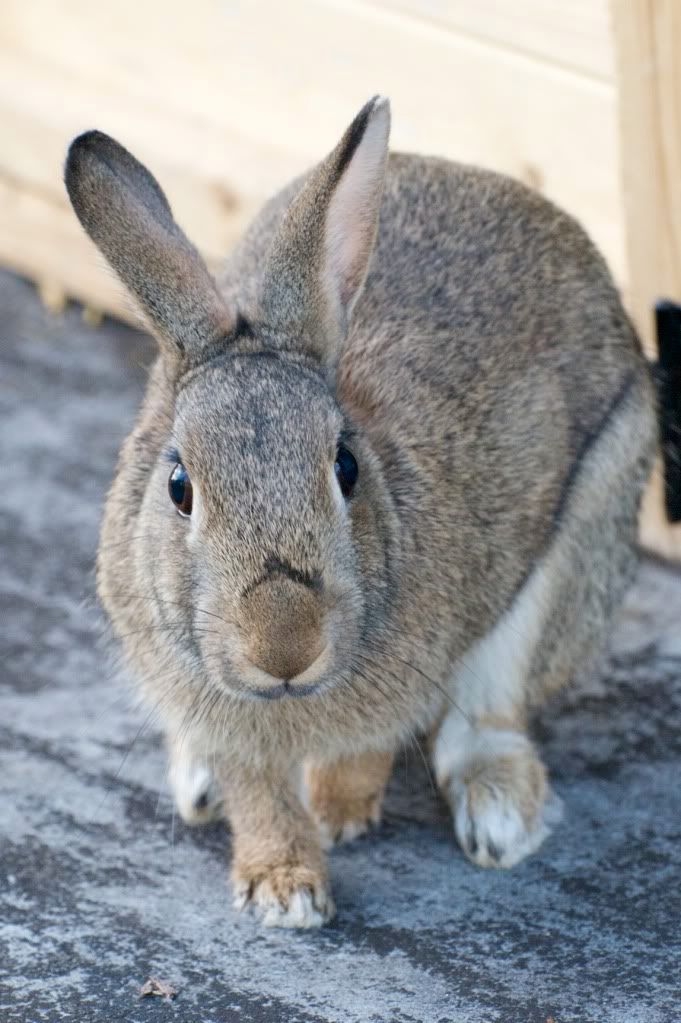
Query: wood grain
<point x="648" y="44"/>
<point x="225" y="112"/>
<point x="575" y="35"/>
<point x="648" y="38"/>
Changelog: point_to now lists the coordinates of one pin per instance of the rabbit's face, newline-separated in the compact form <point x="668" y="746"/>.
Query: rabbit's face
<point x="262" y="494"/>
<point x="264" y="523"/>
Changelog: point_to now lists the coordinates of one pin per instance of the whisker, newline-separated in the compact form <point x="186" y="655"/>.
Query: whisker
<point x="414" y="742"/>
<point x="166" y="628"/>
<point x="431" y="681"/>
<point x="128" y="540"/>
<point x="125" y="758"/>
<point x="153" y="599"/>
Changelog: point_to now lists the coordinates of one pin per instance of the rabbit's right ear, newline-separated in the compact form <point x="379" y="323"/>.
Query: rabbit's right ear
<point x="126" y="214"/>
<point x="320" y="255"/>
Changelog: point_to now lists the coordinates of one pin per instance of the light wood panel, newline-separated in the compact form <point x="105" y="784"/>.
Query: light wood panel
<point x="648" y="37"/>
<point x="225" y="101"/>
<point x="569" y="33"/>
<point x="648" y="43"/>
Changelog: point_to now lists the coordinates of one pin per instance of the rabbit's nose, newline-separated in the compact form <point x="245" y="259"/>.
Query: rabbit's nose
<point x="282" y="624"/>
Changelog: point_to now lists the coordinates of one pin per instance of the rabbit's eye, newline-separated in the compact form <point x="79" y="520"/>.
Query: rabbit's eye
<point x="346" y="470"/>
<point x="180" y="490"/>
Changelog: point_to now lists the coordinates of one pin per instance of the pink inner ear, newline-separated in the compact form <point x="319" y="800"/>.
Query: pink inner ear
<point x="353" y="212"/>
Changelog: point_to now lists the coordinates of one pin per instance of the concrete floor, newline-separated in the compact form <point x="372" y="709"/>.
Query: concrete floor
<point x="100" y="887"/>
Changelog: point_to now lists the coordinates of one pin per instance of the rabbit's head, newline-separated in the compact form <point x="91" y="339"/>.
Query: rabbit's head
<point x="261" y="520"/>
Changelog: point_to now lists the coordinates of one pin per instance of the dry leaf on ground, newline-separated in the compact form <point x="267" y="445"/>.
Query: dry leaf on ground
<point x="157" y="987"/>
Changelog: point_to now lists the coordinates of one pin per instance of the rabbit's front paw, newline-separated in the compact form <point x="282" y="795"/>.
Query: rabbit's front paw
<point x="345" y="797"/>
<point x="502" y="809"/>
<point x="344" y="821"/>
<point x="287" y="895"/>
<point x="197" y="793"/>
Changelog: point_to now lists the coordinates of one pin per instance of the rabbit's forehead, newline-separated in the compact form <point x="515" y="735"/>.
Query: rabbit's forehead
<point x="259" y="409"/>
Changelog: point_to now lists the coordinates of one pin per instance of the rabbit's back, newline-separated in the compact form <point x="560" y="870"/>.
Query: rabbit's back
<point x="477" y="282"/>
<point x="488" y="348"/>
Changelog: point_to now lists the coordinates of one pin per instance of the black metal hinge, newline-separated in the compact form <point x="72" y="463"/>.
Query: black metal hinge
<point x="668" y="321"/>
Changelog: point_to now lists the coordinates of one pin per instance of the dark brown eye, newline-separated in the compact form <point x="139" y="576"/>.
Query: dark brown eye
<point x="180" y="490"/>
<point x="346" y="470"/>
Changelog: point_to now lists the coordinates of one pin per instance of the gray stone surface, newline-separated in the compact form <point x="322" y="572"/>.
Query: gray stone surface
<point x="100" y="887"/>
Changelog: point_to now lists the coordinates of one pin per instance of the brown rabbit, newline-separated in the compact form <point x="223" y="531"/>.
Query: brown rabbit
<point x="385" y="480"/>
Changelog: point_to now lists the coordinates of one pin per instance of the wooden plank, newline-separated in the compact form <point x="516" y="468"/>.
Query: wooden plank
<point x="648" y="38"/>
<point x="46" y="248"/>
<point x="648" y="43"/>
<point x="224" y="112"/>
<point x="574" y="35"/>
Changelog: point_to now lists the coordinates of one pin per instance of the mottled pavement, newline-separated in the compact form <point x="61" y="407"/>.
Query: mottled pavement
<point x="101" y="888"/>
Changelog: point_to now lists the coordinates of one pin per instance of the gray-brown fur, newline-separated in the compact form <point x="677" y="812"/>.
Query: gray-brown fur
<point x="477" y="372"/>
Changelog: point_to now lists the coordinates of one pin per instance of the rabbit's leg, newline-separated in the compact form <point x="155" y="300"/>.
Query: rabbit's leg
<point x="483" y="760"/>
<point x="485" y="765"/>
<point x="198" y="796"/>
<point x="497" y="788"/>
<point x="345" y="796"/>
<point x="278" y="866"/>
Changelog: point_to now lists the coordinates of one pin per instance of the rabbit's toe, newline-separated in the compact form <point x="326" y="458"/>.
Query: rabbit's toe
<point x="340" y="823"/>
<point x="197" y="794"/>
<point x="503" y="810"/>
<point x="285" y="896"/>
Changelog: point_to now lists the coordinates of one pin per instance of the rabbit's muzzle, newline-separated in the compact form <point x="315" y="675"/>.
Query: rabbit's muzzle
<point x="282" y="627"/>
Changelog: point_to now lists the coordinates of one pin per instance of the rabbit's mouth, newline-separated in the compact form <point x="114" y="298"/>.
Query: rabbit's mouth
<point x="285" y="689"/>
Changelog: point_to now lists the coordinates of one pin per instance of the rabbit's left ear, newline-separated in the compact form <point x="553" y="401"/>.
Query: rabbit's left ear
<point x="123" y="209"/>
<point x="320" y="255"/>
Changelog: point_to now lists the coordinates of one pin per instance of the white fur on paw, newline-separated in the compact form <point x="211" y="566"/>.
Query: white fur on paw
<point x="196" y="792"/>
<point x="302" y="910"/>
<point x="495" y="834"/>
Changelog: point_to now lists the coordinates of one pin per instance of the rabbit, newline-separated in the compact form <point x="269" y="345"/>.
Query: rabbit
<point x="384" y="482"/>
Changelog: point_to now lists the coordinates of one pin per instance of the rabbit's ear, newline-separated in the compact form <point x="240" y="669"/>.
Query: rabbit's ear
<point x="124" y="211"/>
<point x="319" y="257"/>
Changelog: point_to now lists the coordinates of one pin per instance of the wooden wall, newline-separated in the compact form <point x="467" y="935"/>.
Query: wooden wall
<point x="226" y="100"/>
<point x="647" y="35"/>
